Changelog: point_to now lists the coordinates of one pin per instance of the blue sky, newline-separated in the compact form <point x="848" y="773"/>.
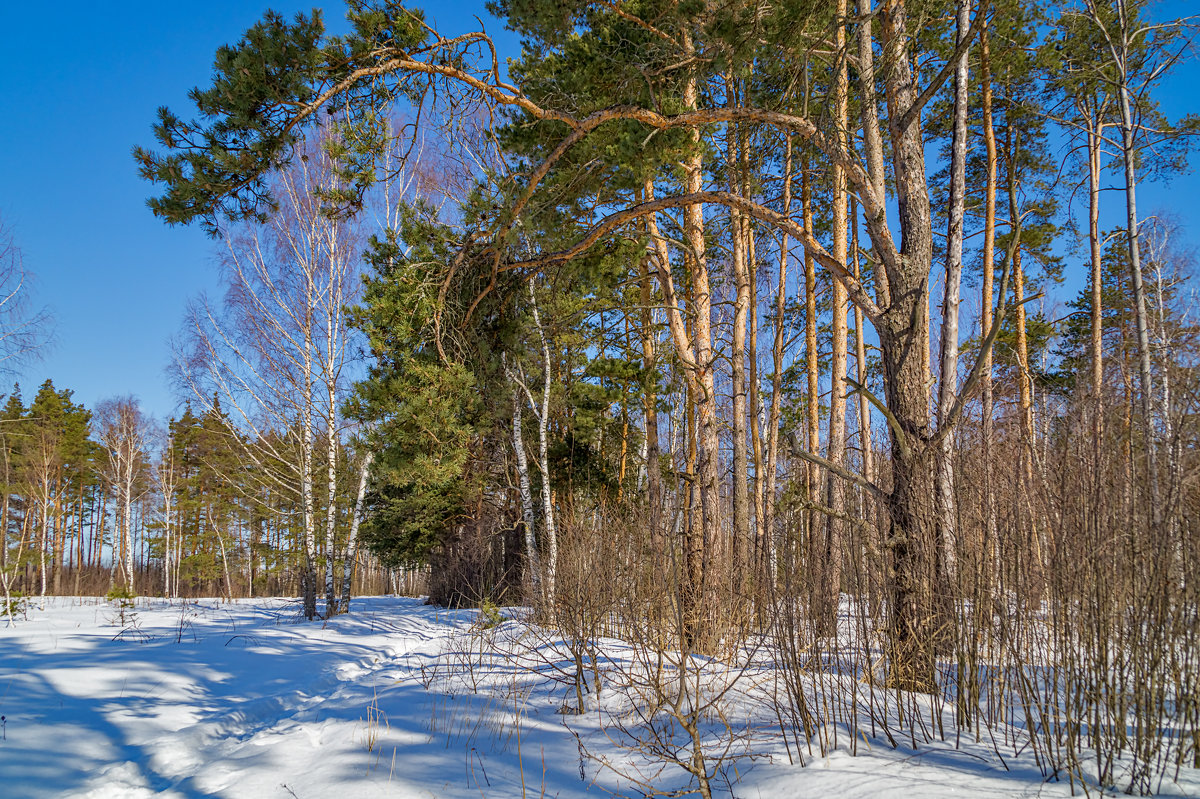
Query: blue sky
<point x="80" y="84"/>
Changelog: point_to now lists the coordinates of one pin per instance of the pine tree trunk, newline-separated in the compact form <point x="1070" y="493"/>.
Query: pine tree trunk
<point x="836" y="445"/>
<point x="1097" y="275"/>
<point x="741" y="277"/>
<point x="987" y="300"/>
<point x="761" y="539"/>
<point x="917" y="619"/>
<point x="811" y="366"/>
<point x="777" y="351"/>
<point x="703" y="544"/>
<point x="860" y="358"/>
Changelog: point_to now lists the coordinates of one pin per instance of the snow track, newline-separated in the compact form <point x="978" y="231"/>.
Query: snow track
<point x="208" y="699"/>
<point x="198" y="699"/>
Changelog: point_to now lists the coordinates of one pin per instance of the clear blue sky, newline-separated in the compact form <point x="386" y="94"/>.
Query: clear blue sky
<point x="80" y="83"/>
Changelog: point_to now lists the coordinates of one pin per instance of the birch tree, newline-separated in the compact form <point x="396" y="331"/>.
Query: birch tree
<point x="276" y="349"/>
<point x="126" y="435"/>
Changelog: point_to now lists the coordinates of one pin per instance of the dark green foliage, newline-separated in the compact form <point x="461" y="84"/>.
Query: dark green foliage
<point x="1073" y="345"/>
<point x="205" y="498"/>
<point x="422" y="410"/>
<point x="216" y="166"/>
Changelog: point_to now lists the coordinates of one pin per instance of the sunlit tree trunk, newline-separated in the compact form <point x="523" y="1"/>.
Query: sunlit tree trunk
<point x="987" y="299"/>
<point x="741" y="279"/>
<point x="364" y="471"/>
<point x="703" y="547"/>
<point x="777" y="352"/>
<point x="947" y="527"/>
<point x="836" y="444"/>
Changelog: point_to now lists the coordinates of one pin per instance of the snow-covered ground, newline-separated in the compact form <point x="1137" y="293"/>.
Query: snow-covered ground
<point x="399" y="699"/>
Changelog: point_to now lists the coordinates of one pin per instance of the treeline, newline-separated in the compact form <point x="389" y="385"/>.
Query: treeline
<point x="718" y="323"/>
<point x="92" y="500"/>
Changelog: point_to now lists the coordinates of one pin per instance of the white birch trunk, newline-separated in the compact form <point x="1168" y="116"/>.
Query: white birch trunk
<point x="948" y="389"/>
<point x="523" y="484"/>
<point x="543" y="418"/>
<point x="352" y="538"/>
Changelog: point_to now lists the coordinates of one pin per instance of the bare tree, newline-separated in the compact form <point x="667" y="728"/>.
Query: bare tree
<point x="166" y="474"/>
<point x="24" y="330"/>
<point x="126" y="434"/>
<point x="275" y="353"/>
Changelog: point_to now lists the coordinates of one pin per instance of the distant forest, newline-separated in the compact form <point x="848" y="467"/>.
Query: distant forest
<point x="105" y="499"/>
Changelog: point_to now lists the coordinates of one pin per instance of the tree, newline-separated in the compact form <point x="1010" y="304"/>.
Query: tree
<point x="13" y="510"/>
<point x="1135" y="56"/>
<point x="57" y="461"/>
<point x="126" y="435"/>
<point x="583" y="121"/>
<point x="276" y="352"/>
<point x="24" y="330"/>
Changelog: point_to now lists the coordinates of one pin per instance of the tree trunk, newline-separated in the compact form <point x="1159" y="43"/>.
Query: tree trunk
<point x="127" y="519"/>
<point x="948" y="389"/>
<point x="777" y="348"/>
<point x="543" y="417"/>
<point x="987" y="300"/>
<point x="702" y="547"/>
<point x="811" y="366"/>
<point x="523" y="487"/>
<point x="741" y="278"/>
<point x="331" y="450"/>
<point x="836" y="445"/>
<point x="1145" y="372"/>
<point x="352" y="539"/>
<point x="1094" y="138"/>
<point x="309" y="581"/>
<point x="650" y="412"/>
<point x="916" y="617"/>
<point x="860" y="357"/>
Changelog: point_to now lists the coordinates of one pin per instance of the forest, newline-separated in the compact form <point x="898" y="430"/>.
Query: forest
<point x="829" y="333"/>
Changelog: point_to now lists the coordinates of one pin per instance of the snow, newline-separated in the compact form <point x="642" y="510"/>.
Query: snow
<point x="398" y="699"/>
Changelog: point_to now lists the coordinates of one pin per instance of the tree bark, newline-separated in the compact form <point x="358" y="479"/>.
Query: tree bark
<point x="904" y="341"/>
<point x="741" y="278"/>
<point x="703" y="544"/>
<point x="987" y="300"/>
<point x="836" y="444"/>
<point x="533" y="562"/>
<point x="348" y="561"/>
<point x="811" y="365"/>
<point x="650" y="413"/>
<point x="777" y="351"/>
<point x="1141" y="317"/>
<point x="948" y="390"/>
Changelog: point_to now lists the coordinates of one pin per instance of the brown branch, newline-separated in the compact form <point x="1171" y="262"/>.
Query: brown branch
<point x="615" y="7"/>
<point x="840" y="471"/>
<point x="853" y="288"/>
